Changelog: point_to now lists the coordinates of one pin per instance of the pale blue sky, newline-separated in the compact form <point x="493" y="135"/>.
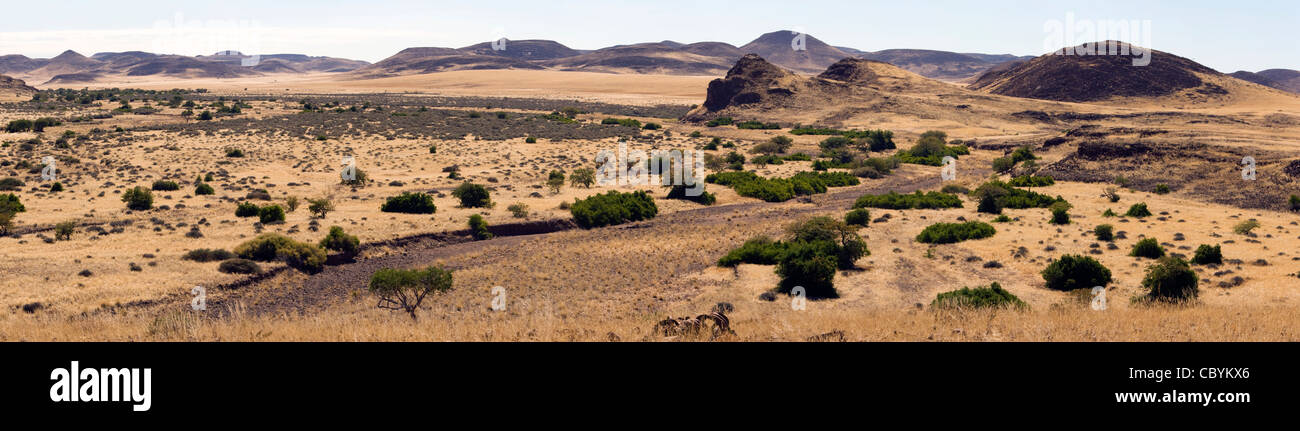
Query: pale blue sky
<point x="1228" y="36"/>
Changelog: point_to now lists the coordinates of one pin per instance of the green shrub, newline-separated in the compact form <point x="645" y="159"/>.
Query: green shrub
<point x="1060" y="212"/>
<point x="404" y="290"/>
<point x="56" y="187"/>
<point x="1138" y="210"/>
<point x="858" y="217"/>
<point x="472" y="195"/>
<point x="17" y="126"/>
<point x="720" y="121"/>
<point x="1149" y="248"/>
<point x="204" y="189"/>
<point x="758" y="251"/>
<point x="680" y="192"/>
<point x="613" y="208"/>
<point x="138" y="198"/>
<point x="1072" y="272"/>
<point x="320" y="207"/>
<point x="989" y="205"/>
<point x="842" y="241"/>
<point x="1001" y="219"/>
<point x="166" y="186"/>
<point x="519" y="210"/>
<point x="1162" y="189"/>
<point x="270" y="214"/>
<point x="11" y="184"/>
<point x="239" y="266"/>
<point x="1003" y="164"/>
<point x="233" y="152"/>
<point x="893" y="200"/>
<point x="1023" y="153"/>
<point x="410" y="203"/>
<point x="247" y="209"/>
<point x="1245" y="227"/>
<point x="582" y="177"/>
<point x="1013" y="198"/>
<point x="555" y="181"/>
<point x="269" y="246"/>
<point x="948" y="233"/>
<point x="1171" y="280"/>
<point x="628" y="122"/>
<point x="807" y="265"/>
<point x="207" y="255"/>
<point x="10" y="204"/>
<point x="993" y="296"/>
<point x="479" y="227"/>
<point x="339" y="241"/>
<point x="1294" y="201"/>
<point x="1104" y="232"/>
<point x="64" y="230"/>
<point x="1206" y="255"/>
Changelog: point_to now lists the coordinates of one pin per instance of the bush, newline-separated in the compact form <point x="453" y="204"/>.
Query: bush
<point x="1111" y="194"/>
<point x="1162" y="189"/>
<point x="10" y="204"/>
<point x="269" y="246"/>
<point x="1072" y="272"/>
<point x="680" y="192"/>
<point x="842" y="240"/>
<point x="1206" y="255"/>
<point x="64" y="230"/>
<point x="1023" y="153"/>
<point x="993" y="296"/>
<point x="1245" y="227"/>
<point x="1104" y="232"/>
<point x="893" y="200"/>
<point x="1171" y="280"/>
<point x="613" y="208"/>
<point x="948" y="233"/>
<point x="207" y="255"/>
<point x="239" y="266"/>
<point x="56" y="187"/>
<point x="1060" y="212"/>
<point x="1003" y="164"/>
<point x="472" y="195"/>
<point x="339" y="241"/>
<point x="758" y="251"/>
<point x="627" y="122"/>
<point x="203" y="189"/>
<point x="530" y="140"/>
<point x="1013" y="198"/>
<point x="405" y="289"/>
<point x="479" y="227"/>
<point x="11" y="184"/>
<point x="138" y="199"/>
<point x="1149" y="248"/>
<point x="17" y="126"/>
<point x="291" y="203"/>
<point x="1294" y="201"/>
<point x="582" y="177"/>
<point x="555" y="181"/>
<point x="518" y="210"/>
<point x="810" y="266"/>
<point x="270" y="214"/>
<point x="247" y="209"/>
<point x="234" y="152"/>
<point x="1138" y="210"/>
<point x="166" y="186"/>
<point x="410" y="203"/>
<point x="858" y="217"/>
<point x="989" y="205"/>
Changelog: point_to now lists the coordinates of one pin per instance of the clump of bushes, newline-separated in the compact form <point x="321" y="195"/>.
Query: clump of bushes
<point x="246" y="209"/>
<point x="64" y="230"/>
<point x="948" y="233"/>
<point x="207" y="255"/>
<point x="410" y="203"/>
<point x="166" y="186"/>
<point x="519" y="210"/>
<point x="930" y="149"/>
<point x="1060" y="212"/>
<point x="613" y="208"/>
<point x="270" y="214"/>
<point x="339" y="241"/>
<point x="1013" y="198"/>
<point x="893" y="200"/>
<point x="473" y="195"/>
<point x="1162" y="189"/>
<point x="757" y="251"/>
<point x="626" y="122"/>
<point x="680" y="192"/>
<point x="239" y="266"/>
<point x="1031" y="181"/>
<point x="1138" y="210"/>
<point x="1072" y="272"/>
<point x="813" y="251"/>
<point x="1171" y="280"/>
<point x="1294" y="201"/>
<point x="989" y="205"/>
<point x="1206" y="255"/>
<point x="1245" y="227"/>
<point x="138" y="198"/>
<point x="993" y="296"/>
<point x="204" y="189"/>
<point x="749" y="184"/>
<point x="269" y="247"/>
<point x="1149" y="248"/>
<point x="320" y="207"/>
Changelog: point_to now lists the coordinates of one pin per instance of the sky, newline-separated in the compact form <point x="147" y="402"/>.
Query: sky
<point x="1227" y="36"/>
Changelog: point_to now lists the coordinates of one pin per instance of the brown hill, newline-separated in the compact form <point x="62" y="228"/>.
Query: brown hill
<point x="1281" y="79"/>
<point x="523" y="49"/>
<point x="11" y="88"/>
<point x="14" y="63"/>
<point x="1086" y="78"/>
<point x="654" y="58"/>
<point x="436" y="59"/>
<point x="778" y="48"/>
<point x="943" y="65"/>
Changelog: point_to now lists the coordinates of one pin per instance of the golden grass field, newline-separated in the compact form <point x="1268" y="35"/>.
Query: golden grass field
<point x="615" y="283"/>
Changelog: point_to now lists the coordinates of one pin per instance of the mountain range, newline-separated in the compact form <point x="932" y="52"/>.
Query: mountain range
<point x="72" y="67"/>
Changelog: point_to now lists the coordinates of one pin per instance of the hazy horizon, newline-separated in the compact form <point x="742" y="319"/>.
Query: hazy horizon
<point x="375" y="31"/>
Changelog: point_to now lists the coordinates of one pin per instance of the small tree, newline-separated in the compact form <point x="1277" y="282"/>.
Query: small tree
<point x="1072" y="272"/>
<point x="63" y="231"/>
<point x="582" y="177"/>
<point x="555" y="181"/>
<point x="320" y="207"/>
<point x="479" y="227"/>
<point x="1171" y="280"/>
<point x="1060" y="212"/>
<point x="1206" y="255"/>
<point x="405" y="289"/>
<point x="337" y="240"/>
<point x="270" y="214"/>
<point x="989" y="204"/>
<point x="138" y="198"/>
<point x="291" y="203"/>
